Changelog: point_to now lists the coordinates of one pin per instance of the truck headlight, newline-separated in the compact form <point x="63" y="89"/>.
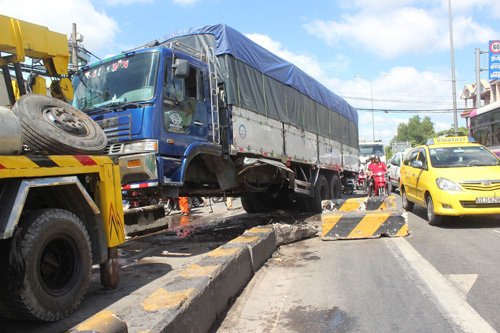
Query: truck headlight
<point x="447" y="185"/>
<point x="141" y="147"/>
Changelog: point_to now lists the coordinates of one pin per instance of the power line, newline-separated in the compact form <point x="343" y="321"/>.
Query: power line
<point x="413" y="111"/>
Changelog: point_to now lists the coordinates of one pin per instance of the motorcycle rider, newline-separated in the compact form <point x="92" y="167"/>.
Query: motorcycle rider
<point x="373" y="168"/>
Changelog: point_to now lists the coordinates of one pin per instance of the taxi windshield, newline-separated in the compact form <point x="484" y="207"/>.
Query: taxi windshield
<point x="465" y="156"/>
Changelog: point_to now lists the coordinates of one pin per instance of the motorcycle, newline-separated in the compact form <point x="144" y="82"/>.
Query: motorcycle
<point x="381" y="186"/>
<point x="361" y="182"/>
<point x="348" y="186"/>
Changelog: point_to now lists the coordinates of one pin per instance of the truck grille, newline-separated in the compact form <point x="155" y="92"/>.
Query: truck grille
<point x="117" y="128"/>
<point x="114" y="149"/>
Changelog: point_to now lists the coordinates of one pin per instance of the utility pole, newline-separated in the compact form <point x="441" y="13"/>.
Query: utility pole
<point x="453" y="83"/>
<point x="74" y="47"/>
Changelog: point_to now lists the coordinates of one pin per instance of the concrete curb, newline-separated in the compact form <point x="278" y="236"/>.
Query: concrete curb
<point x="193" y="300"/>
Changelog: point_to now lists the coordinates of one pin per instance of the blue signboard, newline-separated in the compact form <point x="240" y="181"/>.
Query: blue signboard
<point x="494" y="59"/>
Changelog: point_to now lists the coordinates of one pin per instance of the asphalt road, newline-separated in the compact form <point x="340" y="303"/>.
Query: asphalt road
<point x="438" y="279"/>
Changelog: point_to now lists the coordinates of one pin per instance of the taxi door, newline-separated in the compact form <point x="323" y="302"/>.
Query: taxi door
<point x="421" y="177"/>
<point x="409" y="173"/>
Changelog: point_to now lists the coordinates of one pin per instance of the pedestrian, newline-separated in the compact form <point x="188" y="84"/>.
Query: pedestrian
<point x="184" y="205"/>
<point x="229" y="203"/>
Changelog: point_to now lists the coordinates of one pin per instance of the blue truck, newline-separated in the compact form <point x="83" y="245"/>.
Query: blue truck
<point x="207" y="112"/>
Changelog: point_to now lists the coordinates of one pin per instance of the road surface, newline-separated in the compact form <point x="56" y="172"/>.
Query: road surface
<point x="439" y="279"/>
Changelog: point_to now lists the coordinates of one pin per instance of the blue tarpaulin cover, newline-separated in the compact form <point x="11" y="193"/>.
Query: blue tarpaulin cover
<point x="230" y="41"/>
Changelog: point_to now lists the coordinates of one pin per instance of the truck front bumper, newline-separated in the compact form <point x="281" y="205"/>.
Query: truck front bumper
<point x="138" y="168"/>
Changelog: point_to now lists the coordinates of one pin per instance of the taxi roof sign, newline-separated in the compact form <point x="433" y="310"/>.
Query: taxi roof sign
<point x="450" y="139"/>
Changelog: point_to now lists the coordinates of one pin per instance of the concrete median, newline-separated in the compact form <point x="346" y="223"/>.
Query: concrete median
<point x="192" y="301"/>
<point x="363" y="218"/>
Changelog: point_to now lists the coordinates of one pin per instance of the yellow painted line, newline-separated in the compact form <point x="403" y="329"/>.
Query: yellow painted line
<point x="17" y="162"/>
<point x="219" y="252"/>
<point x="100" y="320"/>
<point x="369" y="224"/>
<point x="329" y="222"/>
<point x="163" y="299"/>
<point x="350" y="204"/>
<point x="260" y="230"/>
<point x="243" y="239"/>
<point x="65" y="160"/>
<point x="403" y="231"/>
<point x="197" y="271"/>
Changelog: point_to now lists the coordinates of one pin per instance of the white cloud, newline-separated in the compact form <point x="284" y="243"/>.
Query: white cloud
<point x="97" y="28"/>
<point x="125" y="2"/>
<point x="401" y="30"/>
<point x="185" y="3"/>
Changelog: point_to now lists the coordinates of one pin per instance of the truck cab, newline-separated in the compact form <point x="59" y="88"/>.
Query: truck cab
<point x="130" y="94"/>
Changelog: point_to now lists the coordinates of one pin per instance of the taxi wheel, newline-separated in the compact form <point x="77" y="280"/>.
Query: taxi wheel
<point x="432" y="218"/>
<point x="407" y="205"/>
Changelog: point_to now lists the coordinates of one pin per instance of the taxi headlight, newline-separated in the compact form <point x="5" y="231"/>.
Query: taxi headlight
<point x="447" y="185"/>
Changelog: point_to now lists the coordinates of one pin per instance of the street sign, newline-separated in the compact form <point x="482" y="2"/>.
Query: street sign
<point x="494" y="67"/>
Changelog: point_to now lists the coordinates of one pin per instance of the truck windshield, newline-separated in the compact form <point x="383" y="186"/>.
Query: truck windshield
<point x="124" y="80"/>
<point x="467" y="156"/>
<point x="368" y="150"/>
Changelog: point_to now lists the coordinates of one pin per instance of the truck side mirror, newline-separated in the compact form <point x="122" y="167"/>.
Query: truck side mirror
<point x="181" y="68"/>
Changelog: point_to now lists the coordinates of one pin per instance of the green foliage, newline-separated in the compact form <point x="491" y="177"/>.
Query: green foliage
<point x="462" y="131"/>
<point x="417" y="131"/>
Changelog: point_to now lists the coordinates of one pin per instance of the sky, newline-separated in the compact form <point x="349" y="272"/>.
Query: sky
<point x="392" y="56"/>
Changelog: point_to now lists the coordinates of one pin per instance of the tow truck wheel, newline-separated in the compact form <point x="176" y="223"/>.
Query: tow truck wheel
<point x="46" y="273"/>
<point x="321" y="192"/>
<point x="57" y="127"/>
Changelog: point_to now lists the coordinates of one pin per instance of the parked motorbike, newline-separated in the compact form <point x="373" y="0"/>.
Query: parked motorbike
<point x="348" y="186"/>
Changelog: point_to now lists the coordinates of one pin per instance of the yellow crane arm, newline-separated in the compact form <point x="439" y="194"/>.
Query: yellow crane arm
<point x="23" y="39"/>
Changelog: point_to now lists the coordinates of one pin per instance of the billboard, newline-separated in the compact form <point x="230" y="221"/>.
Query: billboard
<point x="494" y="67"/>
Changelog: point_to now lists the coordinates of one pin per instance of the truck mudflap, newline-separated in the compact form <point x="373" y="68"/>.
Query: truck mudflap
<point x="358" y="218"/>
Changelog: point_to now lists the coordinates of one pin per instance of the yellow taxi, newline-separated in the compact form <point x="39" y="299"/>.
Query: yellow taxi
<point x="451" y="176"/>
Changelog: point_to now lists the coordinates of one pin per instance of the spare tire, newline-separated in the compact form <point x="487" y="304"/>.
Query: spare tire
<point x="56" y="127"/>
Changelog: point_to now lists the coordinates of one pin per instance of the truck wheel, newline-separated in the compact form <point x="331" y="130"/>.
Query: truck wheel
<point x="321" y="192"/>
<point x="46" y="272"/>
<point x="256" y="203"/>
<point x="335" y="187"/>
<point x="54" y="126"/>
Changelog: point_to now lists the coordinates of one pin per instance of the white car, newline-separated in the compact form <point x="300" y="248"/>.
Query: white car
<point x="394" y="166"/>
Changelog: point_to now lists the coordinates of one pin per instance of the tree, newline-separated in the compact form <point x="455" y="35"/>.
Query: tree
<point x="462" y="131"/>
<point x="417" y="131"/>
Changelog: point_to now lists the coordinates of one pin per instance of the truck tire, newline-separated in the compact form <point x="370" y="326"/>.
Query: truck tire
<point x="321" y="192"/>
<point x="336" y="187"/>
<point x="256" y="203"/>
<point x="54" y="126"/>
<point x="46" y="271"/>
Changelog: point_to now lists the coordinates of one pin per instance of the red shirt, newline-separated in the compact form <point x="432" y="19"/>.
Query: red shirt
<point x="376" y="168"/>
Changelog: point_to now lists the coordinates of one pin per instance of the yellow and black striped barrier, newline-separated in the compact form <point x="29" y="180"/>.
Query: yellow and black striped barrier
<point x="363" y="218"/>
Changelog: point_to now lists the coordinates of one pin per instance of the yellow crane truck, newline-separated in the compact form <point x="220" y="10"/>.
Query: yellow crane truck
<point x="60" y="203"/>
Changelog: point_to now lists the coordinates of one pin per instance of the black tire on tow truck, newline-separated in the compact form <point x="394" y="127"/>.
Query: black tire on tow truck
<point x="46" y="271"/>
<point x="57" y="127"/>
